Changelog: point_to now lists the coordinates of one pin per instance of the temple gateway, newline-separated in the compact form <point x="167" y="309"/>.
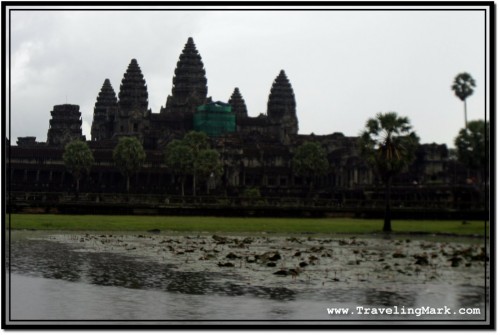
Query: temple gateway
<point x="256" y="152"/>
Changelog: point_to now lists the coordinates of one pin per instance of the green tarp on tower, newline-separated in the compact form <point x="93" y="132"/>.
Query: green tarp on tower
<point x="215" y="119"/>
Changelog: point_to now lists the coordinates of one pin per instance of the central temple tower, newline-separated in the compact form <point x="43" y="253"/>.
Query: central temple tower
<point x="189" y="83"/>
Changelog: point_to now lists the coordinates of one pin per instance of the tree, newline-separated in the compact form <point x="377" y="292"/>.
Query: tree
<point x="78" y="159"/>
<point x="252" y="196"/>
<point x="179" y="158"/>
<point x="208" y="166"/>
<point x="197" y="142"/>
<point x="129" y="156"/>
<point x="310" y="161"/>
<point x="473" y="145"/>
<point x="192" y="155"/>
<point x="389" y="144"/>
<point x="463" y="88"/>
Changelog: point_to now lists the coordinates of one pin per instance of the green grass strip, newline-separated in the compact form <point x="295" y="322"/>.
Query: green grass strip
<point x="236" y="225"/>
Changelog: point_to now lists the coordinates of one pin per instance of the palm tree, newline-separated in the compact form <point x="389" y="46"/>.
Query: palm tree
<point x="389" y="144"/>
<point x="463" y="88"/>
<point x="472" y="147"/>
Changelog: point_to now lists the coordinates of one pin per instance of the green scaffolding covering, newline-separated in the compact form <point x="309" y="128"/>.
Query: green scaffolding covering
<point x="215" y="119"/>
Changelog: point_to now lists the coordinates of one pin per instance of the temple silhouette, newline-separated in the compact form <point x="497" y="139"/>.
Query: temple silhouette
<point x="256" y="152"/>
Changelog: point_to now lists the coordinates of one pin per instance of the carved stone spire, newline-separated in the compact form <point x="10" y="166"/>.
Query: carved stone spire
<point x="104" y="109"/>
<point x="106" y="98"/>
<point x="238" y="105"/>
<point x="133" y="89"/>
<point x="189" y="81"/>
<point x="281" y="105"/>
<point x="133" y="115"/>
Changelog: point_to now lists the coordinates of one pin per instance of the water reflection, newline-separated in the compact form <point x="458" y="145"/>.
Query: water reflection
<point x="49" y="260"/>
<point x="59" y="261"/>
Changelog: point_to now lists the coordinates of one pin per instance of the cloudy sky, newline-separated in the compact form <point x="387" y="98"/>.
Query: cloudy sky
<point x="344" y="66"/>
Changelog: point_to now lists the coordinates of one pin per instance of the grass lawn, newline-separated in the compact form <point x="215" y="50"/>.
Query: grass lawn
<point x="224" y="224"/>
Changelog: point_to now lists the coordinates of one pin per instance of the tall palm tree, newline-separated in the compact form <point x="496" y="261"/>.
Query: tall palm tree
<point x="463" y="88"/>
<point x="389" y="144"/>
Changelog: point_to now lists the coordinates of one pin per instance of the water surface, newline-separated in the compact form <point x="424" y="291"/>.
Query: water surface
<point x="51" y="280"/>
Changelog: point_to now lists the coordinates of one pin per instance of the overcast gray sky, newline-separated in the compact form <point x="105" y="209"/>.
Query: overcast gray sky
<point x="344" y="66"/>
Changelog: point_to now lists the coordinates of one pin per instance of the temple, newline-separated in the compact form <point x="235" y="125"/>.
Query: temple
<point x="256" y="152"/>
<point x="65" y="125"/>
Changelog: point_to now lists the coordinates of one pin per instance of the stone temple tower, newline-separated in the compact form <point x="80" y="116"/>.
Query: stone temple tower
<point x="281" y="107"/>
<point x="189" y="83"/>
<point x="238" y="104"/>
<point x="105" y="110"/>
<point x="65" y="125"/>
<point x="133" y="114"/>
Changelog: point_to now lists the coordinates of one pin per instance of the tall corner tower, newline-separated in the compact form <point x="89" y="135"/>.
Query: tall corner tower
<point x="133" y="115"/>
<point x="104" y="112"/>
<point x="133" y="89"/>
<point x="281" y="106"/>
<point x="238" y="105"/>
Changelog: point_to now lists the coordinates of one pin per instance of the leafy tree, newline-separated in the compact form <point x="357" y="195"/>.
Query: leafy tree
<point x="252" y="196"/>
<point x="252" y="193"/>
<point x="208" y="166"/>
<point x="179" y="158"/>
<point x="192" y="155"/>
<point x="473" y="146"/>
<point x="78" y="159"/>
<point x="310" y="161"/>
<point x="463" y="87"/>
<point x="389" y="144"/>
<point x="197" y="141"/>
<point x="129" y="156"/>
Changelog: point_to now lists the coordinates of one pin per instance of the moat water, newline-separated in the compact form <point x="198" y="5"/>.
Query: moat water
<point x="54" y="281"/>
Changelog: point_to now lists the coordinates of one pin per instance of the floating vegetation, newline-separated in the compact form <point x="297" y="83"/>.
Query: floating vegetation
<point x="297" y="262"/>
